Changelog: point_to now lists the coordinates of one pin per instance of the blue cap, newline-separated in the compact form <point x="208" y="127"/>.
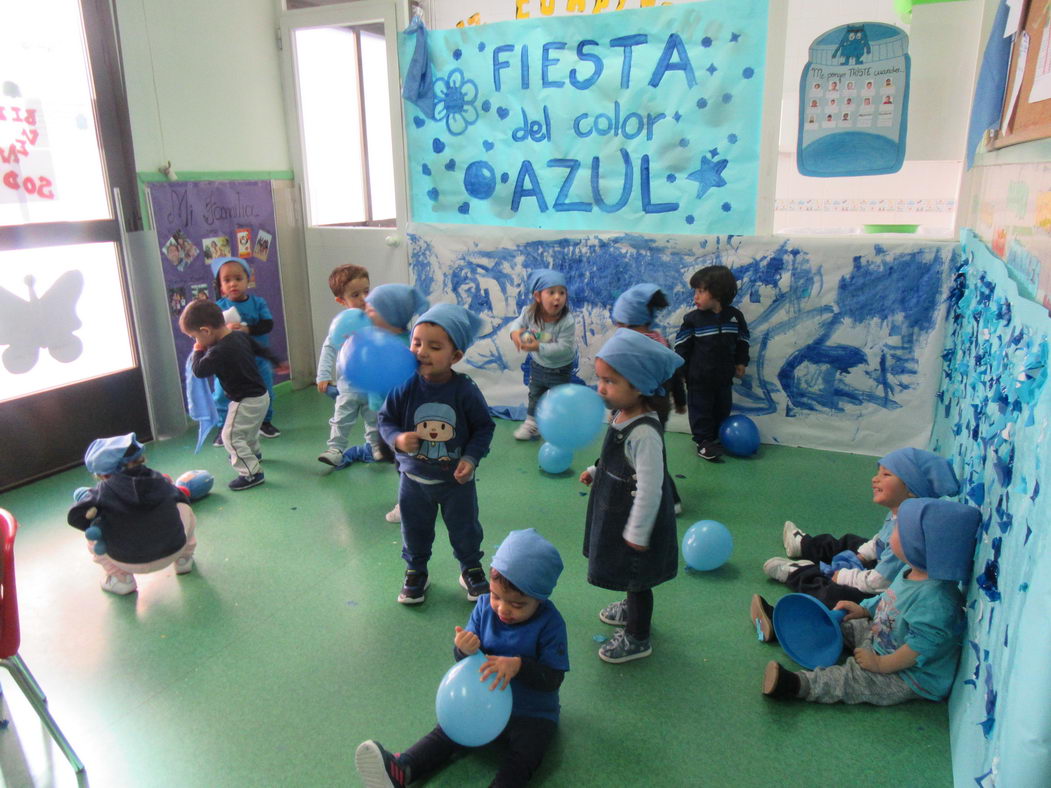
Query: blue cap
<point x="219" y="262"/>
<point x="938" y="536"/>
<point x="461" y="326"/>
<point x="397" y="303"/>
<point x="543" y="278"/>
<point x="530" y="562"/>
<point x="926" y="474"/>
<point x="109" y="455"/>
<point x="632" y="306"/>
<point x="434" y="411"/>
<point x="644" y="362"/>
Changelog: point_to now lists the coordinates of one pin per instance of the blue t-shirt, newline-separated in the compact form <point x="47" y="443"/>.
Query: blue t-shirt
<point x="543" y="638"/>
<point x="252" y="310"/>
<point x="927" y="616"/>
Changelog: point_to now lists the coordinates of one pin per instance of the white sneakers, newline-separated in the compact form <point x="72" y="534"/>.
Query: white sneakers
<point x="333" y="457"/>
<point x="779" y="569"/>
<point x="528" y="430"/>
<point x="183" y="566"/>
<point x="119" y="584"/>
<point x="394" y="515"/>
<point x="792" y="538"/>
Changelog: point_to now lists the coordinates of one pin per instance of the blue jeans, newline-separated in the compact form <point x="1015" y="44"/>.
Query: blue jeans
<point x="419" y="511"/>
<point x="542" y="378"/>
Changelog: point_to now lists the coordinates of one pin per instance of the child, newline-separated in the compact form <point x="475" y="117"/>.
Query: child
<point x="636" y="308"/>
<point x="713" y="341"/>
<point x="524" y="639"/>
<point x="902" y="474"/>
<point x="910" y="648"/>
<point x="231" y="356"/>
<point x="146" y="522"/>
<point x="349" y="285"/>
<point x="546" y="330"/>
<point x="439" y="426"/>
<point x="630" y="540"/>
<point x="232" y="275"/>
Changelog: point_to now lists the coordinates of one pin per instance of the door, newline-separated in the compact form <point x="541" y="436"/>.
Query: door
<point x="340" y="65"/>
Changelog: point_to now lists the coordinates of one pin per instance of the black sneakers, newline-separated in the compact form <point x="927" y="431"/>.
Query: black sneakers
<point x="474" y="582"/>
<point x="246" y="482"/>
<point x="779" y="682"/>
<point x="377" y="767"/>
<point x="268" y="430"/>
<point x="414" y="587"/>
<point x="709" y="450"/>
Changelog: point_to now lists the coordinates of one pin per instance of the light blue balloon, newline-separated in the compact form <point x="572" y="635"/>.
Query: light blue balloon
<point x="469" y="712"/>
<point x="707" y="545"/>
<point x="554" y="459"/>
<point x="739" y="435"/>
<point x="570" y="416"/>
<point x="375" y="361"/>
<point x="346" y="323"/>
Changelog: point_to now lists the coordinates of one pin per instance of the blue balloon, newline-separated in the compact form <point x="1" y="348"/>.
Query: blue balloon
<point x="554" y="459"/>
<point x="469" y="712"/>
<point x="346" y="323"/>
<point x="569" y="416"/>
<point x="199" y="483"/>
<point x="93" y="533"/>
<point x="707" y="545"/>
<point x="739" y="435"/>
<point x="375" y="361"/>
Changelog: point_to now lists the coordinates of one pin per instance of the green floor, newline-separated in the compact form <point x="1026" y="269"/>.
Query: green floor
<point x="286" y="647"/>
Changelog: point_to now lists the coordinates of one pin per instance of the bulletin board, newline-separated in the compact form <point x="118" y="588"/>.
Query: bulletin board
<point x="1030" y="121"/>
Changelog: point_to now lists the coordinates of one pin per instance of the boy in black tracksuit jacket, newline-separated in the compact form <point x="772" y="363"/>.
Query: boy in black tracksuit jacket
<point x="713" y="341"/>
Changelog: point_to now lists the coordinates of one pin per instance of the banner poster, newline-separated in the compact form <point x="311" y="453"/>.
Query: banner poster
<point x="646" y="119"/>
<point x="197" y="221"/>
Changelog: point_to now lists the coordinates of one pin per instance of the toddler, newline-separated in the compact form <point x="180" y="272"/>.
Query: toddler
<point x="232" y="276"/>
<point x="524" y="639"/>
<point x="629" y="539"/>
<point x="547" y="332"/>
<point x="231" y="356"/>
<point x="439" y="426"/>
<point x="910" y="647"/>
<point x="713" y="341"/>
<point x="146" y="522"/>
<point x="902" y="474"/>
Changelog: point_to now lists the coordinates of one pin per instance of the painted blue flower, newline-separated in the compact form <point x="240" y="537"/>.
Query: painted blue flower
<point x="454" y="98"/>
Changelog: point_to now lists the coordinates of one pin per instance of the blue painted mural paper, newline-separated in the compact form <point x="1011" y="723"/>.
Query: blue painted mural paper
<point x="647" y="119"/>
<point x="854" y="102"/>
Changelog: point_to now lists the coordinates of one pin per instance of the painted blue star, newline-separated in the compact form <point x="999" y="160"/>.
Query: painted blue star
<point x="711" y="69"/>
<point x="714" y="152"/>
<point x="709" y="175"/>
<point x="734" y="37"/>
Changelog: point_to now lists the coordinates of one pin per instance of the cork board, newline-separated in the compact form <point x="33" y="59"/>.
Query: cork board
<point x="1030" y="121"/>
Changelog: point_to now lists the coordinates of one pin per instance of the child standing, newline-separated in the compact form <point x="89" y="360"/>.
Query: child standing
<point x="630" y="540"/>
<point x="349" y="285"/>
<point x="713" y="341"/>
<point x="232" y="276"/>
<point x="524" y="639"/>
<point x="231" y="356"/>
<point x="146" y="522"/>
<point x="439" y="426"/>
<point x="910" y="647"/>
<point x="547" y="332"/>
<point x="904" y="473"/>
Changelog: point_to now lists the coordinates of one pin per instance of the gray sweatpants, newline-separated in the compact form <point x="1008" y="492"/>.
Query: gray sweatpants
<point x="851" y="683"/>
<point x="241" y="433"/>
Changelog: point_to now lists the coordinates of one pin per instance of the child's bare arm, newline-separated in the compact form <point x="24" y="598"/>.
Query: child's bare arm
<point x="901" y="659"/>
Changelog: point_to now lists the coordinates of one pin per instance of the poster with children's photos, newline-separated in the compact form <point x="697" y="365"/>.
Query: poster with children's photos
<point x="199" y="221"/>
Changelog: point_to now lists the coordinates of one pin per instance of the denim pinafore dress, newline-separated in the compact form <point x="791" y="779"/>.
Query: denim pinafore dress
<point x="611" y="563"/>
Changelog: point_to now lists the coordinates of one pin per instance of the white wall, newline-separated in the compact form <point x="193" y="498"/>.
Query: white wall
<point x="204" y="84"/>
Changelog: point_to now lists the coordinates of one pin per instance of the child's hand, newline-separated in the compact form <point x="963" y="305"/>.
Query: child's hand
<point x="466" y="641"/>
<point x="504" y="668"/>
<point x="322" y="386"/>
<point x="680" y="409"/>
<point x="586" y="479"/>
<point x="514" y="338"/>
<point x="197" y="347"/>
<point x="854" y="610"/>
<point x="407" y="442"/>
<point x="638" y="548"/>
<point x="464" y="471"/>
<point x="868" y="659"/>
<point x="529" y="343"/>
<point x="92" y="513"/>
<point x="739" y="371"/>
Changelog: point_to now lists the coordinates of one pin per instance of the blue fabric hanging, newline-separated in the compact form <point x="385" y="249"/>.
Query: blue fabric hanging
<point x="200" y="403"/>
<point x="418" y="86"/>
<point x="987" y="109"/>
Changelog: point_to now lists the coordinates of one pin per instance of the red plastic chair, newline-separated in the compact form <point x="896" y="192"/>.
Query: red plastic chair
<point x="10" y="639"/>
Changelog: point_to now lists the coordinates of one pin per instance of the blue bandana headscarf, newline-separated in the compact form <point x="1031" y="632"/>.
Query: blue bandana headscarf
<point x="938" y="536"/>
<point x="543" y="278"/>
<point x="926" y="474"/>
<point x="397" y="303"/>
<point x="461" y="326"/>
<point x="632" y="306"/>
<point x="219" y="262"/>
<point x="530" y="562"/>
<point x="645" y="363"/>
<point x="108" y="455"/>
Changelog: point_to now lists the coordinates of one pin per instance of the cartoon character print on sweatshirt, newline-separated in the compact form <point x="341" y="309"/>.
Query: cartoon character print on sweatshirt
<point x="435" y="425"/>
<point x="883" y="621"/>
